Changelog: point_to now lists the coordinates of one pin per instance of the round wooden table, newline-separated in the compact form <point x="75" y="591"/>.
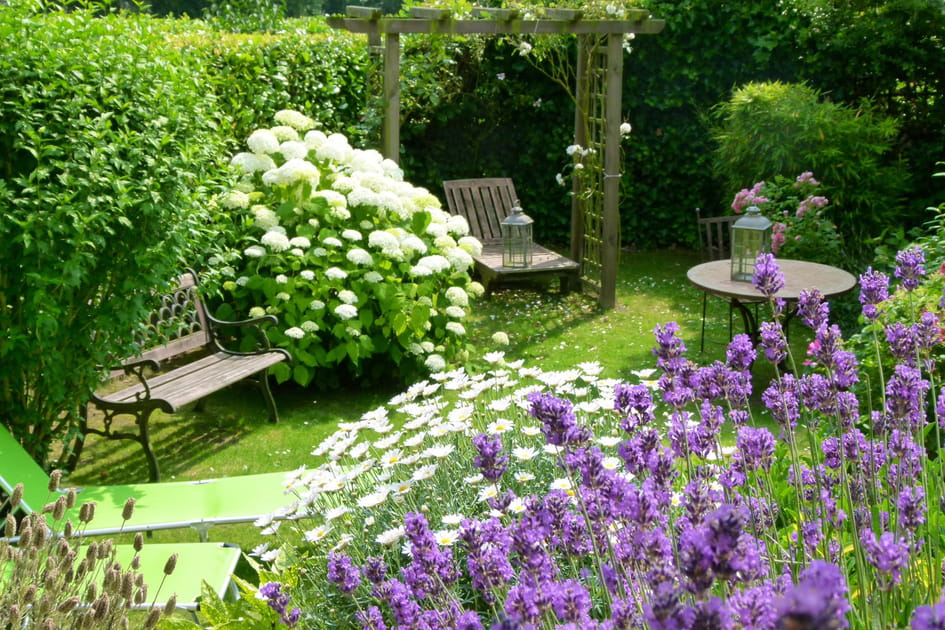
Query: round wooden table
<point x="715" y="278"/>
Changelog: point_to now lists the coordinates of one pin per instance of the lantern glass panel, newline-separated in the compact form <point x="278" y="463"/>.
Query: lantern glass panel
<point x="517" y="239"/>
<point x="751" y="236"/>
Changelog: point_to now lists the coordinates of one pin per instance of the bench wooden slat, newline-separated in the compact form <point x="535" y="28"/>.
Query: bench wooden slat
<point x="203" y="377"/>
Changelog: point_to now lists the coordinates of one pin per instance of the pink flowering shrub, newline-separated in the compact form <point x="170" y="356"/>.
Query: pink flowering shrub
<point x="802" y="229"/>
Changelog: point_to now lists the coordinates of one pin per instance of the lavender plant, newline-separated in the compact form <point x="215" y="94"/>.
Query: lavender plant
<point x="518" y="498"/>
<point x="51" y="577"/>
<point x="356" y="263"/>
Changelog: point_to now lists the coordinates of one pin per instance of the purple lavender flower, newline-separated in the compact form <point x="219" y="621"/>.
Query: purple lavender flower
<point x="740" y="353"/>
<point x="812" y="308"/>
<point x="755" y="447"/>
<point x="371" y="619"/>
<point x="905" y="398"/>
<point x="874" y="289"/>
<point x="910" y="268"/>
<point x="341" y="571"/>
<point x="635" y="403"/>
<point x="469" y="620"/>
<point x="754" y="606"/>
<point x="571" y="602"/>
<point x="558" y="423"/>
<point x="782" y="399"/>
<point x="374" y="569"/>
<point x="940" y="408"/>
<point x="767" y="278"/>
<point x="901" y="341"/>
<point x="665" y="611"/>
<point x="523" y="605"/>
<point x="929" y="617"/>
<point x="888" y="554"/>
<point x="491" y="460"/>
<point x="670" y="348"/>
<point x="911" y="505"/>
<point x="818" y="600"/>
<point x="927" y="333"/>
<point x="279" y="602"/>
<point x="772" y="342"/>
<point x="712" y="614"/>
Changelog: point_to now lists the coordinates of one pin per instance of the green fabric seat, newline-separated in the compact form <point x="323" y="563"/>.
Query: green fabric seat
<point x="166" y="505"/>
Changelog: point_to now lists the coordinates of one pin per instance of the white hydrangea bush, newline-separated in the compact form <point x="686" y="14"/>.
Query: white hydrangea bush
<point x="356" y="263"/>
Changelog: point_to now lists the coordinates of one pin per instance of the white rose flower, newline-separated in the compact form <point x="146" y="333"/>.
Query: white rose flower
<point x="625" y="129"/>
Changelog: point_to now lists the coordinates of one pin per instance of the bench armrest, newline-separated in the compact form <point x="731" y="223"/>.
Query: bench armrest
<point x="136" y="368"/>
<point x="253" y="322"/>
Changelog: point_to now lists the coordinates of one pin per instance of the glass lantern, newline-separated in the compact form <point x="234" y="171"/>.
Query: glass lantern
<point x="517" y="238"/>
<point x="751" y="236"/>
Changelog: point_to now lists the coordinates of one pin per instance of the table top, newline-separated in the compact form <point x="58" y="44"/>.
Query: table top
<point x="715" y="277"/>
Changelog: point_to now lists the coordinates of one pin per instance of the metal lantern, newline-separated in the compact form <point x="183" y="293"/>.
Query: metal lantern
<point x="517" y="238"/>
<point x="751" y="236"/>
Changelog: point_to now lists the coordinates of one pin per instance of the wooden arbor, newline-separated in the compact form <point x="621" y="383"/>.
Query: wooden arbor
<point x="595" y="211"/>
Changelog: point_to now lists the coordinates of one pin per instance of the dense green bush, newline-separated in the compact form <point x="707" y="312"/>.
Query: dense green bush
<point x="106" y="140"/>
<point x="304" y="69"/>
<point x="769" y="129"/>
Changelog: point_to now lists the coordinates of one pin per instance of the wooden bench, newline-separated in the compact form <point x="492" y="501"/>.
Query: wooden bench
<point x="182" y="332"/>
<point x="484" y="203"/>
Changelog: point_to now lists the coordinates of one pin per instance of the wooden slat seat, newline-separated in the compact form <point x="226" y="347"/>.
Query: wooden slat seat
<point x="186" y="335"/>
<point x="484" y="203"/>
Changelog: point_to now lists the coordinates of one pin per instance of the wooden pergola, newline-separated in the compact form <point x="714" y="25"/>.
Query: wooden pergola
<point x="595" y="211"/>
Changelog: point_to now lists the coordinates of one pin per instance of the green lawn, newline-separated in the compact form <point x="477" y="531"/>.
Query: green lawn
<point x="231" y="436"/>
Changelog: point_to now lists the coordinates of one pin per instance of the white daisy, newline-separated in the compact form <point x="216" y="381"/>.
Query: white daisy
<point x="318" y="534"/>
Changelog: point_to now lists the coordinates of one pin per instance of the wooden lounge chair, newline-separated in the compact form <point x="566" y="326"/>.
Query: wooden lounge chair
<point x="164" y="505"/>
<point x="484" y="203"/>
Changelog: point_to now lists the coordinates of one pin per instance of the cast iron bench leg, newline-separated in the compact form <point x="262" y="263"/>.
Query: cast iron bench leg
<point x="267" y="394"/>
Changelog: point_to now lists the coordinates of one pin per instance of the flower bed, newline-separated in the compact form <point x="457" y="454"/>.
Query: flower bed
<point x="519" y="498"/>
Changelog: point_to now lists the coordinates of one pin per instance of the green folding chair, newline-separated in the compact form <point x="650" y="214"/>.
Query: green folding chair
<point x="167" y="505"/>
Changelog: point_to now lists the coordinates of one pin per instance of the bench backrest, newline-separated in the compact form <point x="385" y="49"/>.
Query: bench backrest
<point x="483" y="202"/>
<point x="16" y="466"/>
<point x="179" y="324"/>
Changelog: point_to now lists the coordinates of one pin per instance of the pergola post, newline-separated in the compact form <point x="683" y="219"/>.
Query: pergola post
<point x="580" y="138"/>
<point x="611" y="220"/>
<point x="390" y="134"/>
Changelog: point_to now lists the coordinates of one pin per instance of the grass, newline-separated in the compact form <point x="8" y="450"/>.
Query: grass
<point x="231" y="436"/>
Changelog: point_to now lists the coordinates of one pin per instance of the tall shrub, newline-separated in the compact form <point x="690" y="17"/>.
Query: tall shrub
<point x="770" y="129"/>
<point x="105" y="141"/>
